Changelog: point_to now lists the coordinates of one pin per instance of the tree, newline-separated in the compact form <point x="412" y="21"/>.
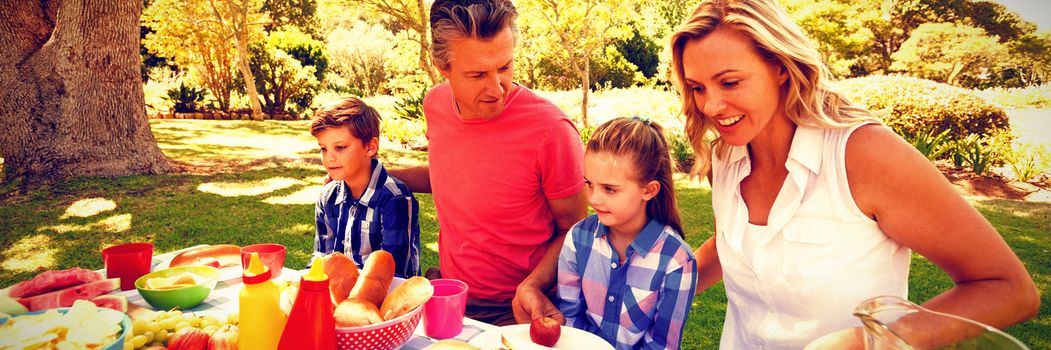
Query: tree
<point x="837" y="29"/>
<point x="944" y="51"/>
<point x="184" y="30"/>
<point x="1031" y="56"/>
<point x="237" y="19"/>
<point x="72" y="92"/>
<point x="580" y="29"/>
<point x="412" y="16"/>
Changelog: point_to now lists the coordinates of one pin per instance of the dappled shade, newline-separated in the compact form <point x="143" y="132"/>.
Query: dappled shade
<point x="29" y="254"/>
<point x="89" y="207"/>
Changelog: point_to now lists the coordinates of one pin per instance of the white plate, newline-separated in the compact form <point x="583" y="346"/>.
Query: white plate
<point x="518" y="335"/>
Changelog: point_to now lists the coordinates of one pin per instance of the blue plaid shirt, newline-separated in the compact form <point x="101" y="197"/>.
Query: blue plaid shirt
<point x="385" y="217"/>
<point x="649" y="296"/>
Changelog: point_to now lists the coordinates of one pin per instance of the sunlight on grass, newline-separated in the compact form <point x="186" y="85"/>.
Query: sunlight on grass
<point x="306" y="195"/>
<point x="29" y="254"/>
<point x="252" y="188"/>
<point x="116" y="223"/>
<point x="264" y="145"/>
<point x="433" y="246"/>
<point x="89" y="207"/>
<point x="298" y="229"/>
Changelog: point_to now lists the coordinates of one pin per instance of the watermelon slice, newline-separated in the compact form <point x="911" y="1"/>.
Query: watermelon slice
<point x="66" y="297"/>
<point x="116" y="302"/>
<point x="52" y="280"/>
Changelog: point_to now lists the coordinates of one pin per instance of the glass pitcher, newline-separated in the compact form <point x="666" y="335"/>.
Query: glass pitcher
<point x="896" y="323"/>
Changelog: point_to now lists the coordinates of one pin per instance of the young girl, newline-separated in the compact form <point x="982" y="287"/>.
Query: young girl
<point x="625" y="273"/>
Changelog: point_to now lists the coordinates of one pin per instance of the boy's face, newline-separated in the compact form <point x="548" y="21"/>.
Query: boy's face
<point x="345" y="157"/>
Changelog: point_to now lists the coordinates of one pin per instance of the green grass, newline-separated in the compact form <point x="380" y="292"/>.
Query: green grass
<point x="271" y="179"/>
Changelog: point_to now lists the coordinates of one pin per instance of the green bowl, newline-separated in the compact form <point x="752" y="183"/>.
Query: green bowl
<point x="181" y="298"/>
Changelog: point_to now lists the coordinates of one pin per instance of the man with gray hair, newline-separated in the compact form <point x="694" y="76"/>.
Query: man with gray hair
<point x="505" y="167"/>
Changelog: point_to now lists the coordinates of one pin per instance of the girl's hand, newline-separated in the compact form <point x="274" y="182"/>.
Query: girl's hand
<point x="850" y="338"/>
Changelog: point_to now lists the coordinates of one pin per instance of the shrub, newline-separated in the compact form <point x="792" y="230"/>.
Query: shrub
<point x="930" y="144"/>
<point x="681" y="150"/>
<point x="403" y="131"/>
<point x="914" y="105"/>
<point x="411" y="107"/>
<point x="1026" y="160"/>
<point x="185" y="99"/>
<point x="585" y="134"/>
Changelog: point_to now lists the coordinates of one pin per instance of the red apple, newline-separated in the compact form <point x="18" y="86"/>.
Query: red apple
<point x="189" y="338"/>
<point x="545" y="331"/>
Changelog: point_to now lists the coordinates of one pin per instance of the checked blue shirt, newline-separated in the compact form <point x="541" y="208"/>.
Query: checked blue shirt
<point x="642" y="304"/>
<point x="385" y="217"/>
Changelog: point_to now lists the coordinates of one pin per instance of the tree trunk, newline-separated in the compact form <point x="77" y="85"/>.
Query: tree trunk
<point x="246" y="73"/>
<point x="585" y="88"/>
<point x="72" y="92"/>
<point x="425" y="43"/>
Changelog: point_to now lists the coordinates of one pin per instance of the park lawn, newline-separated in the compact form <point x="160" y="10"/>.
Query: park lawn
<point x="272" y="178"/>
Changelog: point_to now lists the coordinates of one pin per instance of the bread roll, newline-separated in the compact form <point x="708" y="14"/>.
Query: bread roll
<point x="452" y="344"/>
<point x="375" y="277"/>
<point x="342" y="275"/>
<point x="407" y="296"/>
<point x="356" y="312"/>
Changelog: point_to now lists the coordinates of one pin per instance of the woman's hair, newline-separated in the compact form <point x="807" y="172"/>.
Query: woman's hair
<point x="461" y="19"/>
<point x="806" y="96"/>
<point x="643" y="143"/>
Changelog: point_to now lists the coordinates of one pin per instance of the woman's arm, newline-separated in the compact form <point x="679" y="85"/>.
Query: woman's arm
<point x="917" y="207"/>
<point x="709" y="270"/>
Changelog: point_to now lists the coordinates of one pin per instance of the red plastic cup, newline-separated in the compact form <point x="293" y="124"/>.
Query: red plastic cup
<point x="443" y="313"/>
<point x="128" y="262"/>
<point x="272" y="255"/>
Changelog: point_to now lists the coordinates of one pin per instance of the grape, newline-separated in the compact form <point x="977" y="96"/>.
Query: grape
<point x="138" y="326"/>
<point x="148" y="335"/>
<point x="129" y="346"/>
<point x="210" y="320"/>
<point x="168" y="323"/>
<point x="138" y="341"/>
<point x="161" y="336"/>
<point x="179" y="326"/>
<point x="153" y="327"/>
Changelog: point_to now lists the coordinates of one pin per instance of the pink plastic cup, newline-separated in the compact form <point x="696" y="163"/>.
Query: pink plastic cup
<point x="443" y="313"/>
<point x="128" y="262"/>
<point x="272" y="255"/>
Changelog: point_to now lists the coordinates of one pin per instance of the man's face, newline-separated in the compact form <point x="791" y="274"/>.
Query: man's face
<point x="480" y="74"/>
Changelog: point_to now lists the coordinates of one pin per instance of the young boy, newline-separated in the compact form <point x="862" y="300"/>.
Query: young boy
<point x="362" y="209"/>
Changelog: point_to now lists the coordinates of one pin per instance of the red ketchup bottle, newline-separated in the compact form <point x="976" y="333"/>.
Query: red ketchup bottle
<point x="310" y="323"/>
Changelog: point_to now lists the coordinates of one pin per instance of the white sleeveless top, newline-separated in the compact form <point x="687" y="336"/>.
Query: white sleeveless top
<point x="818" y="257"/>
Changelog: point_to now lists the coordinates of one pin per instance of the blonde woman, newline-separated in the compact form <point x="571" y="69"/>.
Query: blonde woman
<point x="818" y="206"/>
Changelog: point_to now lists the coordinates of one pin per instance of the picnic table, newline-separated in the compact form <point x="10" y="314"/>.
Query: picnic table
<point x="224" y="299"/>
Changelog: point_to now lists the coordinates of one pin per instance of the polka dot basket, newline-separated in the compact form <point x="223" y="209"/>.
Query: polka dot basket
<point x="385" y="335"/>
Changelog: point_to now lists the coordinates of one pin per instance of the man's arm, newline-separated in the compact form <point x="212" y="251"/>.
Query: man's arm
<point x="418" y="178"/>
<point x="530" y="301"/>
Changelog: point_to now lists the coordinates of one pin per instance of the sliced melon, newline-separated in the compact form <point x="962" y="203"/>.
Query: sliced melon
<point x="11" y="306"/>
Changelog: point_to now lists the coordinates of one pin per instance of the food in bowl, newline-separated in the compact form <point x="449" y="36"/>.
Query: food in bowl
<point x="184" y="279"/>
<point x="82" y="326"/>
<point x="181" y="295"/>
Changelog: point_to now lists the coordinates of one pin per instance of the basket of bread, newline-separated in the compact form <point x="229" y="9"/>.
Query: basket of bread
<point x="373" y="309"/>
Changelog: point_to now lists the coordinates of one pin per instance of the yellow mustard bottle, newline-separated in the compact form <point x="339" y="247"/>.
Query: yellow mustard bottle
<point x="261" y="319"/>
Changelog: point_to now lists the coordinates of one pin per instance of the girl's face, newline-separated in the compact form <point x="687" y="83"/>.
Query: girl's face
<point x="732" y="85"/>
<point x="617" y="197"/>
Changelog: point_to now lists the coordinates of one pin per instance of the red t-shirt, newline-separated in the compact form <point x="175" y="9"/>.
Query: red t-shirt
<point x="491" y="179"/>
